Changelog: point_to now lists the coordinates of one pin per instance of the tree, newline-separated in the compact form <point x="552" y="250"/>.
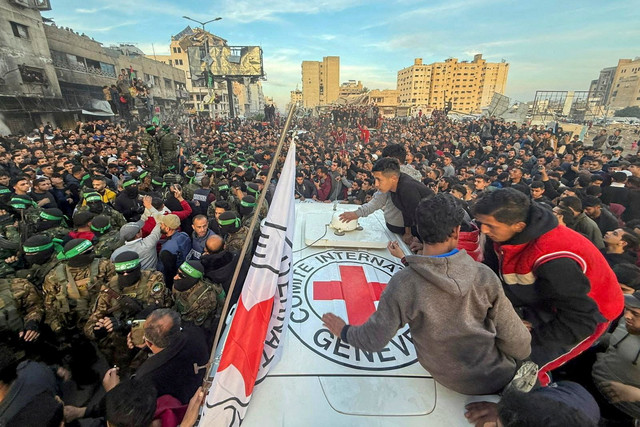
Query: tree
<point x="629" y="112"/>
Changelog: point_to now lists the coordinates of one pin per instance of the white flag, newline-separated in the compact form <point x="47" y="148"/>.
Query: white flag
<point x="253" y="346"/>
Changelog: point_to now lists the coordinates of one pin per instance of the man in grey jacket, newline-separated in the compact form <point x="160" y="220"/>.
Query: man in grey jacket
<point x="465" y="330"/>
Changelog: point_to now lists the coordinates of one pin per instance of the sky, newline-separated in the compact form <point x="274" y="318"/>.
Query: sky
<point x="550" y="45"/>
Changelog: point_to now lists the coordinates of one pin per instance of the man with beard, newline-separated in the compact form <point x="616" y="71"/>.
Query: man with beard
<point x="72" y="287"/>
<point x="96" y="206"/>
<point x="99" y="184"/>
<point x="127" y="202"/>
<point x="122" y="299"/>
<point x="201" y="233"/>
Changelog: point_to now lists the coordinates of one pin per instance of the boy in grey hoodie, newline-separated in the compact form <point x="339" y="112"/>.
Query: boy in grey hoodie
<point x="465" y="330"/>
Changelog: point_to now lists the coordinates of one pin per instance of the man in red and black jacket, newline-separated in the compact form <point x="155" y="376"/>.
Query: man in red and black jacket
<point x="556" y="278"/>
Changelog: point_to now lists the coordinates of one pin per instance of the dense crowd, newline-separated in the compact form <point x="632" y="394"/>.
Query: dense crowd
<point x="119" y="244"/>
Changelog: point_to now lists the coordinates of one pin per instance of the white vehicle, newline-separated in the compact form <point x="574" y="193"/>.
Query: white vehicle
<point x="323" y="381"/>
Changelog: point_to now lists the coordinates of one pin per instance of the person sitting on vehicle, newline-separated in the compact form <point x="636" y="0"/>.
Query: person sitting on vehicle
<point x="441" y="287"/>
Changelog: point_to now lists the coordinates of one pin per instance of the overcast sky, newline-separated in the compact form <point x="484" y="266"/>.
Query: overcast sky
<point x="550" y="45"/>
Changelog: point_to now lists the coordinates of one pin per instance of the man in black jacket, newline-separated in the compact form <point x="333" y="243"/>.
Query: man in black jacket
<point x="176" y="353"/>
<point x="406" y="192"/>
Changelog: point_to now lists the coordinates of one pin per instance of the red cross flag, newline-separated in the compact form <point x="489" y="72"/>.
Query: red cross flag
<point x="253" y="346"/>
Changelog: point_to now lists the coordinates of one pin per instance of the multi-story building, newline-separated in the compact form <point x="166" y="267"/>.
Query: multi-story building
<point x="29" y="89"/>
<point x="351" y="88"/>
<point x="625" y="89"/>
<point x="386" y="100"/>
<point x="296" y="96"/>
<point x="320" y="81"/>
<point x="464" y="86"/>
<point x="600" y="89"/>
<point x="49" y="73"/>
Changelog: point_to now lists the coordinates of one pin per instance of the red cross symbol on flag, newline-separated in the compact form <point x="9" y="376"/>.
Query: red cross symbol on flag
<point x="358" y="294"/>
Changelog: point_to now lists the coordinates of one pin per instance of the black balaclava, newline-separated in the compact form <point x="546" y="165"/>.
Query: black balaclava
<point x="38" y="249"/>
<point x="100" y="225"/>
<point x="94" y="202"/>
<point x="127" y="262"/>
<point x="78" y="253"/>
<point x="131" y="188"/>
<point x="189" y="273"/>
<point x="247" y="205"/>
<point x="229" y="222"/>
<point x="49" y="218"/>
<point x="157" y="183"/>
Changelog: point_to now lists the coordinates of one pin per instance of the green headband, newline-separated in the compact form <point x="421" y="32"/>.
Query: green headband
<point x="101" y="230"/>
<point x="223" y="187"/>
<point x="92" y="197"/>
<point x="234" y="164"/>
<point x="126" y="265"/>
<point x="50" y="217"/>
<point x="172" y="167"/>
<point x="154" y="182"/>
<point x="226" y="161"/>
<point x="190" y="271"/>
<point x="34" y="249"/>
<point x="19" y="203"/>
<point x="148" y="128"/>
<point x="233" y="221"/>
<point x="76" y="250"/>
<point x="143" y="174"/>
<point x="252" y="190"/>
<point x="85" y="177"/>
<point x="219" y="169"/>
<point x="128" y="183"/>
<point x="247" y="204"/>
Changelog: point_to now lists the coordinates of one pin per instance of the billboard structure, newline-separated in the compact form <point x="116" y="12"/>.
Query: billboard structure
<point x="572" y="106"/>
<point x="226" y="62"/>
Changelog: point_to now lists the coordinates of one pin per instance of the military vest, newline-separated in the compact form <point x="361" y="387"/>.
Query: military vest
<point x="74" y="297"/>
<point x="200" y="302"/>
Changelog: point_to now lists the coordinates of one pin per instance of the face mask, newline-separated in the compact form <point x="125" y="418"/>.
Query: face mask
<point x="132" y="277"/>
<point x="82" y="260"/>
<point x="42" y="225"/>
<point x="184" y="284"/>
<point x="131" y="191"/>
<point x="96" y="208"/>
<point x="39" y="258"/>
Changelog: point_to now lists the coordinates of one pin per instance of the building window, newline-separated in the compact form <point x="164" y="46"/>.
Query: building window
<point x="32" y="75"/>
<point x="170" y="62"/>
<point x="167" y="83"/>
<point x="20" y="30"/>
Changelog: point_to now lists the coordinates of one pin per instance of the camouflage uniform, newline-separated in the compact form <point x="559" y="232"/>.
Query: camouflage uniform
<point x="107" y="243"/>
<point x="150" y="145"/>
<point x="20" y="303"/>
<point x="111" y="302"/>
<point x="70" y="292"/>
<point x="199" y="304"/>
<point x="168" y="147"/>
<point x="37" y="273"/>
<point x="233" y="242"/>
<point x="188" y="189"/>
<point x="58" y="232"/>
<point x="116" y="219"/>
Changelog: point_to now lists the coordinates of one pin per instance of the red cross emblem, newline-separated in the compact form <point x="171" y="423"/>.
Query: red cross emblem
<point x="358" y="294"/>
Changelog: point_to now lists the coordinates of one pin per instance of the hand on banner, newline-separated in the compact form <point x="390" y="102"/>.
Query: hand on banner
<point x="191" y="416"/>
<point x="333" y="323"/>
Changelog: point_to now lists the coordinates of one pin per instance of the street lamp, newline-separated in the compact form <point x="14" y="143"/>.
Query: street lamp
<point x="206" y="48"/>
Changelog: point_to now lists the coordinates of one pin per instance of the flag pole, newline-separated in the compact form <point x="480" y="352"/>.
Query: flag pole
<point x="245" y="246"/>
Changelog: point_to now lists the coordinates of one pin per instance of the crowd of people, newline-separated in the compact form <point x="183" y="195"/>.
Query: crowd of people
<point x="118" y="246"/>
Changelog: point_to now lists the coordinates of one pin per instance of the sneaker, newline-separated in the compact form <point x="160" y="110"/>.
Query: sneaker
<point x="524" y="379"/>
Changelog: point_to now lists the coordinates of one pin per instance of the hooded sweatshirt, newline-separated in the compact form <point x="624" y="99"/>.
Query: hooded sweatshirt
<point x="465" y="330"/>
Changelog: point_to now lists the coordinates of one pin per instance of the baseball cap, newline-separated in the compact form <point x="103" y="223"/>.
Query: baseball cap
<point x="632" y="300"/>
<point x="171" y="220"/>
<point x="129" y="231"/>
